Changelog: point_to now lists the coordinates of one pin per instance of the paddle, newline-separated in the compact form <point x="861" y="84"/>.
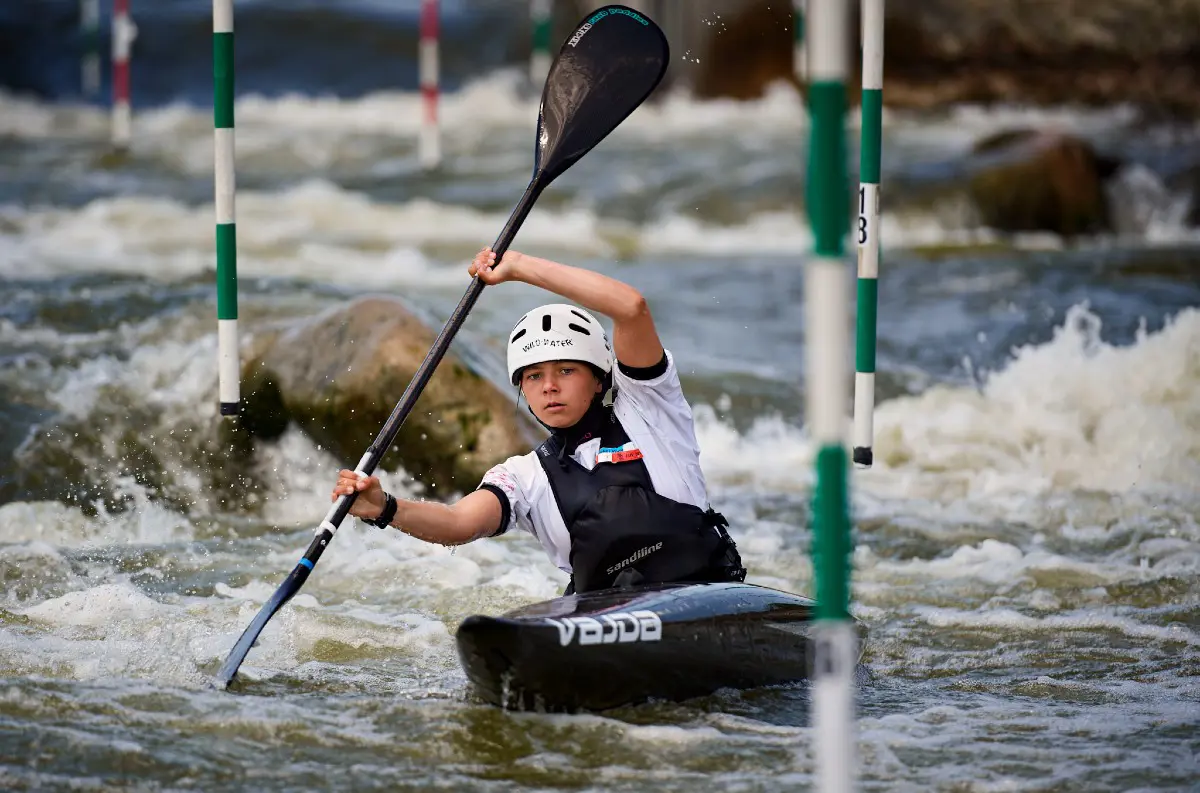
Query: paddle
<point x="606" y="68"/>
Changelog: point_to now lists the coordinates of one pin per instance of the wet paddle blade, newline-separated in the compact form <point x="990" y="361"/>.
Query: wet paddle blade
<point x="607" y="67"/>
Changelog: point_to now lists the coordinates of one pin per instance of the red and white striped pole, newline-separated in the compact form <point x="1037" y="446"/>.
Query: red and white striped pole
<point x="123" y="34"/>
<point x="429" y="149"/>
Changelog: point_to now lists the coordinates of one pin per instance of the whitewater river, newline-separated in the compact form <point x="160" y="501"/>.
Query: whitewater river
<point x="1028" y="547"/>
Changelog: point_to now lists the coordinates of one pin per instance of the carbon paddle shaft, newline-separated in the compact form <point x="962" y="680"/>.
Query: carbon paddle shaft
<point x="607" y="67"/>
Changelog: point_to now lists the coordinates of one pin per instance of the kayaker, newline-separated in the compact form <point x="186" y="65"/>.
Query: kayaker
<point x="616" y="495"/>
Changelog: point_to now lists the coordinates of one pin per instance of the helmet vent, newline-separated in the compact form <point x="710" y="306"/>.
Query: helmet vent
<point x="581" y="316"/>
<point x="545" y="322"/>
<point x="579" y="329"/>
<point x="517" y="335"/>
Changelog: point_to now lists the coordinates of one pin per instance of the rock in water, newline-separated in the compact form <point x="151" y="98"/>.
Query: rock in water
<point x="1042" y="182"/>
<point x="339" y="375"/>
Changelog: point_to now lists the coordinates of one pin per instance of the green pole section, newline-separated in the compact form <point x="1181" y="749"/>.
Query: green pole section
<point x="827" y="194"/>
<point x="864" y="343"/>
<point x="872" y="132"/>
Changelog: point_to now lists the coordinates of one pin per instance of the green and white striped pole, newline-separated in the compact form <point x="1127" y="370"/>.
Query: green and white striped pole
<point x="868" y="231"/>
<point x="827" y="196"/>
<point x="228" y="369"/>
<point x="539" y="59"/>
<point x="799" y="67"/>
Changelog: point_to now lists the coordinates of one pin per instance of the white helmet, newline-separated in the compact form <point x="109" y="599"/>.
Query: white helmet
<point x="557" y="332"/>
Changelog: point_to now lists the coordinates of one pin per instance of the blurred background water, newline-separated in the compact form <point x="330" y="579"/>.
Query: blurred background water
<point x="1028" y="541"/>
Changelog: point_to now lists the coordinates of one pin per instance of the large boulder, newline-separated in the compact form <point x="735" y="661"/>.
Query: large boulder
<point x="1035" y="181"/>
<point x="339" y="375"/>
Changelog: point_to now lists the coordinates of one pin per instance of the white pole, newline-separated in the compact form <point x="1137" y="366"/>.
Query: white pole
<point x="826" y="294"/>
<point x="429" y="146"/>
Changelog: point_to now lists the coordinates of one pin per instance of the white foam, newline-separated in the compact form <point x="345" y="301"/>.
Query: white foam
<point x="1073" y="413"/>
<point x="1091" y="443"/>
<point x="1092" y="620"/>
<point x="303" y="628"/>
<point x="528" y="581"/>
<point x="498" y="101"/>
<point x="298" y="477"/>
<point x="106" y="631"/>
<point x="318" y="231"/>
<point x="772" y="455"/>
<point x="96" y="606"/>
<point x="116" y="630"/>
<point x="62" y="526"/>
<point x="310" y="126"/>
<point x="1001" y="563"/>
<point x="669" y="736"/>
<point x="314" y="230"/>
<point x="986" y="119"/>
<point x="23" y="117"/>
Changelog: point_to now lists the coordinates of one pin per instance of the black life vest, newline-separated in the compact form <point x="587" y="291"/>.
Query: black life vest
<point x="622" y="531"/>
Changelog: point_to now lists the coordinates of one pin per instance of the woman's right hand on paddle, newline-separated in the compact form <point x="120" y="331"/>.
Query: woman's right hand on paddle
<point x="369" y="504"/>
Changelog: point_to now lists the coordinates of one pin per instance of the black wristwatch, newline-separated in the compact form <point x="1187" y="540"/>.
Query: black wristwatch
<point x="389" y="511"/>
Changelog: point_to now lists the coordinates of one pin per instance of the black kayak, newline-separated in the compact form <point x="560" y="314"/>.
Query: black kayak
<point x="616" y="647"/>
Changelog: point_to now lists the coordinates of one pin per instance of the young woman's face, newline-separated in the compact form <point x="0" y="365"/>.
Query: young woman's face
<point x="559" y="392"/>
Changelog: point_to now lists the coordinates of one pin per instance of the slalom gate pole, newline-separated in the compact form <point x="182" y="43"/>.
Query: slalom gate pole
<point x="429" y="146"/>
<point x="870" y="153"/>
<point x="123" y="34"/>
<point x="826" y="316"/>
<point x="224" y="184"/>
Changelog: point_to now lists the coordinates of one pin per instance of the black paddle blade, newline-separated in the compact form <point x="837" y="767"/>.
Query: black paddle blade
<point x="606" y="68"/>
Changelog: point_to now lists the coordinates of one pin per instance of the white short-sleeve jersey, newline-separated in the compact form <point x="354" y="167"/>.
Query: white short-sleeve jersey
<point x="658" y="421"/>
